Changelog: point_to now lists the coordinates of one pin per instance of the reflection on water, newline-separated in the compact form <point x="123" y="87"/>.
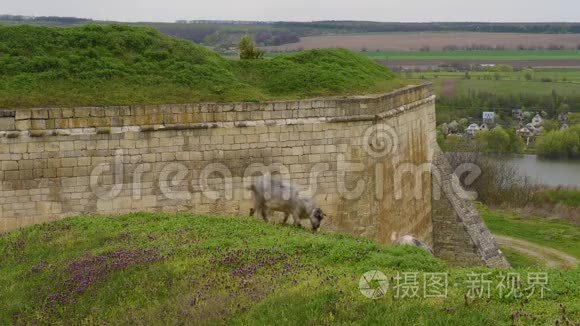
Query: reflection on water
<point x="548" y="172"/>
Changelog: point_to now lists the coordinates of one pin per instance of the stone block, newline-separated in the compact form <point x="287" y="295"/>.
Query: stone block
<point x="55" y="113"/>
<point x="39" y="114"/>
<point x="9" y="165"/>
<point x="82" y="112"/>
<point x="67" y="113"/>
<point x="7" y="123"/>
<point x="38" y="124"/>
<point x="61" y="123"/>
<point x="18" y="148"/>
<point x="36" y="147"/>
<point x="23" y="114"/>
<point x="69" y="162"/>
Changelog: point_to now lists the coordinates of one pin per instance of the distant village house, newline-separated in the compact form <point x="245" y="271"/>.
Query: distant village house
<point x="517" y="114"/>
<point x="538" y="121"/>
<point x="489" y="117"/>
<point x="485" y="127"/>
<point x="472" y="129"/>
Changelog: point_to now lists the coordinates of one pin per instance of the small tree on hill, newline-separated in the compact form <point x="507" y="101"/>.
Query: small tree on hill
<point x="248" y="50"/>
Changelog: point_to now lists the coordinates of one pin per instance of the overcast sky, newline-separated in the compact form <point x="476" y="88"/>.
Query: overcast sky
<point x="302" y="10"/>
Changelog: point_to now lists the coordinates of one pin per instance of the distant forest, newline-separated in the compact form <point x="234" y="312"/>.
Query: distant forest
<point x="40" y="19"/>
<point x="225" y="34"/>
<point x="376" y="27"/>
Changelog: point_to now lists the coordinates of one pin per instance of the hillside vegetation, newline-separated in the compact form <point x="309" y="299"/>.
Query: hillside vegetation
<point x="153" y="269"/>
<point x="117" y="64"/>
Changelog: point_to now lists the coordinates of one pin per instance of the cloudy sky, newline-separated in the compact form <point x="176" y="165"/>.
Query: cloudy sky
<point x="302" y="10"/>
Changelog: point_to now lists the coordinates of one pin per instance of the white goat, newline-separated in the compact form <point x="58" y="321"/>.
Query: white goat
<point x="274" y="195"/>
<point x="409" y="240"/>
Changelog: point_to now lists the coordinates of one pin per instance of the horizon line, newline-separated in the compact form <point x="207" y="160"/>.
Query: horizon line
<point x="190" y="21"/>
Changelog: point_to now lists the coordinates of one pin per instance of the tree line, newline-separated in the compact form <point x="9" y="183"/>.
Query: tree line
<point x="357" y="26"/>
<point x="49" y="19"/>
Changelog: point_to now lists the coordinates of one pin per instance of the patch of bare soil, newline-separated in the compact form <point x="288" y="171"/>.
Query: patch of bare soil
<point x="89" y="270"/>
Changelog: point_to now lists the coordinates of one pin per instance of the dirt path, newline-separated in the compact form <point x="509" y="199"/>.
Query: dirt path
<point x="551" y="257"/>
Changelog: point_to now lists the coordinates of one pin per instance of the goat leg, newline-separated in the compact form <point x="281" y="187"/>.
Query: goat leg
<point x="264" y="214"/>
<point x="296" y="221"/>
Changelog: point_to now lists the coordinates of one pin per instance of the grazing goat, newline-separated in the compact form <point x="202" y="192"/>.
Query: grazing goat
<point x="409" y="240"/>
<point x="274" y="195"/>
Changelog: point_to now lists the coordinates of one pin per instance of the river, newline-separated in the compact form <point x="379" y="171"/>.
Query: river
<point x="548" y="172"/>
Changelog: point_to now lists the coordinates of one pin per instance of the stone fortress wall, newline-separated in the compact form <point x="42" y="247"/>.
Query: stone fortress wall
<point x="366" y="160"/>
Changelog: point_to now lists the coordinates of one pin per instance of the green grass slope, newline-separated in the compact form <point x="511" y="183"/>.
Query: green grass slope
<point x="118" y="64"/>
<point x="157" y="269"/>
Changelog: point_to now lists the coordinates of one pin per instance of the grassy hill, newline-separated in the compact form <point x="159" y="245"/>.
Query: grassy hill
<point x="186" y="269"/>
<point x="118" y="64"/>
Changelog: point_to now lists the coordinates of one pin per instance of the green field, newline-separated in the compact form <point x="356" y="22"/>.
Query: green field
<point x="555" y="74"/>
<point x="566" y="82"/>
<point x="510" y="87"/>
<point x="476" y="55"/>
<point x="564" y="197"/>
<point x="184" y="269"/>
<point x="519" y="260"/>
<point x="120" y="65"/>
<point x="557" y="234"/>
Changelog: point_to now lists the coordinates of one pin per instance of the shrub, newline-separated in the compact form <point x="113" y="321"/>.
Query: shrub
<point x="248" y="50"/>
<point x="499" y="183"/>
<point x="499" y="140"/>
<point x="560" y="144"/>
<point x="551" y="125"/>
<point x="453" y="143"/>
<point x="516" y="144"/>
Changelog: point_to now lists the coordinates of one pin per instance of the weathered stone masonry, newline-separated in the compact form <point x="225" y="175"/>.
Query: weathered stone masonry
<point x="62" y="162"/>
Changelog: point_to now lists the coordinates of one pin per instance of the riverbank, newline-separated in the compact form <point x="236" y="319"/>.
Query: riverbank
<point x="555" y="186"/>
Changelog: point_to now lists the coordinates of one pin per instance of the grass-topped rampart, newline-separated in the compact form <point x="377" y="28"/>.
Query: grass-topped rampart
<point x="118" y="64"/>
